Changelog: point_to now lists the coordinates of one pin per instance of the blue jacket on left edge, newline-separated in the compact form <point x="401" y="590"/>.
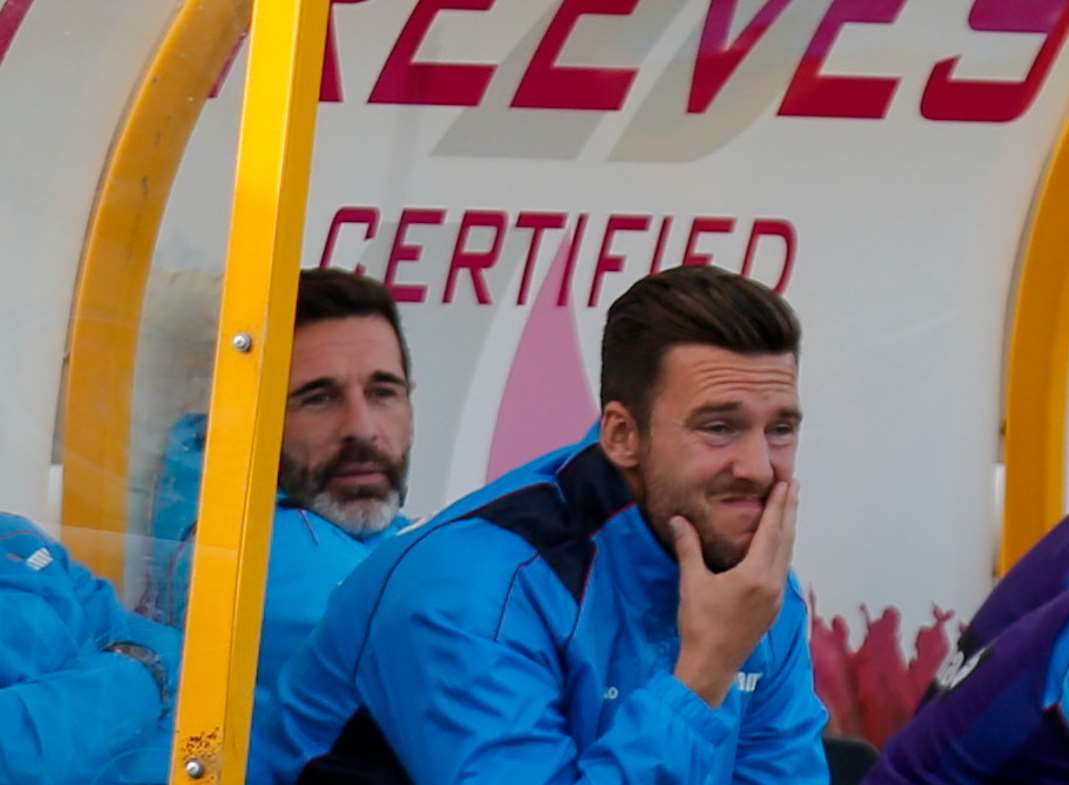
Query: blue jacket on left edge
<point x="527" y="636"/>
<point x="69" y="712"/>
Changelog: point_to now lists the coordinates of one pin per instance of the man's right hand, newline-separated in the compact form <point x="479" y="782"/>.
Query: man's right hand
<point x="722" y="616"/>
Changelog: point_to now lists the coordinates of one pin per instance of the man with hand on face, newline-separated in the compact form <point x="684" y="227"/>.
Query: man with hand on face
<point x="618" y="611"/>
<point x="344" y="460"/>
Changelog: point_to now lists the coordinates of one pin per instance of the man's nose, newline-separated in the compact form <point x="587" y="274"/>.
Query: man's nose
<point x="358" y="420"/>
<point x="753" y="460"/>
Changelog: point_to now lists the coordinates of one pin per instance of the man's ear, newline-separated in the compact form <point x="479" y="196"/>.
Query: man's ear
<point x="619" y="436"/>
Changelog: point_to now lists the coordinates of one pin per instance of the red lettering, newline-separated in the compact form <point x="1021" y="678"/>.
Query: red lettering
<point x="658" y="249"/>
<point x="475" y="262"/>
<point x="610" y="262"/>
<point x="978" y="101"/>
<point x="404" y="81"/>
<point x="12" y="13"/>
<point x="368" y="216"/>
<point x="714" y="64"/>
<point x="811" y="94"/>
<point x="700" y="226"/>
<point x="408" y="293"/>
<point x="546" y="85"/>
<point x="330" y="78"/>
<point x="537" y="223"/>
<point x="772" y="227"/>
<point x="569" y="263"/>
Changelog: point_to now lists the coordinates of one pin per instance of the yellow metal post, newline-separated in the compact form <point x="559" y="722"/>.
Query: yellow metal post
<point x="1037" y="372"/>
<point x="251" y="369"/>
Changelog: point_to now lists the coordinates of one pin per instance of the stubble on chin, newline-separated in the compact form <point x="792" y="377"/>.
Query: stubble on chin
<point x="660" y="505"/>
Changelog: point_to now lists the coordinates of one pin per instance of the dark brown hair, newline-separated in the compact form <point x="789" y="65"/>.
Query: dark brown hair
<point x="687" y="305"/>
<point x="336" y="294"/>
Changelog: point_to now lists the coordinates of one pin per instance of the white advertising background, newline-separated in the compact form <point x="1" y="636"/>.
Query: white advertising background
<point x="65" y="82"/>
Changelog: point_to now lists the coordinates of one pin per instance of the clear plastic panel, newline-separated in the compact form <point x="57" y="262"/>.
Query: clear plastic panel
<point x="111" y="325"/>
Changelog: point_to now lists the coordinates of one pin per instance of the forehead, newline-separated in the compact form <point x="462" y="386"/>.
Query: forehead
<point x="355" y="346"/>
<point x="695" y="374"/>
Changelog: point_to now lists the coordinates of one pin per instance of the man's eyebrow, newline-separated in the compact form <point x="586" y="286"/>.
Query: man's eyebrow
<point x="732" y="407"/>
<point x="328" y="383"/>
<point x="386" y="377"/>
<point x="729" y="407"/>
<point x="791" y="413"/>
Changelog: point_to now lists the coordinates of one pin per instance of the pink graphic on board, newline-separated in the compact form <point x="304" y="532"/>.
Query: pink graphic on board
<point x="12" y="12"/>
<point x="872" y="692"/>
<point x="547" y="402"/>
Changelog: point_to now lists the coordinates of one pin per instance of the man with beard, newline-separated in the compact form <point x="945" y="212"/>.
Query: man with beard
<point x="345" y="448"/>
<point x="344" y="460"/>
<point x="618" y="611"/>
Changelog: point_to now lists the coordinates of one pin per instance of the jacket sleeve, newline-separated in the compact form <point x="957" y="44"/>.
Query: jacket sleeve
<point x="780" y="740"/>
<point x="458" y="704"/>
<point x="107" y="621"/>
<point x="106" y="618"/>
<point x="70" y="713"/>
<point x="73" y="724"/>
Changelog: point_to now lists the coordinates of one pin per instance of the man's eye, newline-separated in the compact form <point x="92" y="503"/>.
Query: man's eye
<point x="718" y="428"/>
<point x="383" y="393"/>
<point x="317" y="398"/>
<point x="783" y="431"/>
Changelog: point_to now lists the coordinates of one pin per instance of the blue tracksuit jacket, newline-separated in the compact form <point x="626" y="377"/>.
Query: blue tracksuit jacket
<point x="310" y="556"/>
<point x="527" y="635"/>
<point x="70" y="713"/>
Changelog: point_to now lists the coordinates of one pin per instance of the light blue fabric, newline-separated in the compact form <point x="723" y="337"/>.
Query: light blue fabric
<point x="174" y="503"/>
<point x="310" y="556"/>
<point x="1057" y="685"/>
<point x="479" y="665"/>
<point x="70" y="713"/>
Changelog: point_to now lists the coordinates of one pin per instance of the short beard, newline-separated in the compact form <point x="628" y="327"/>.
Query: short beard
<point x="366" y="512"/>
<point x="360" y="517"/>
<point x="660" y="504"/>
<point x="718" y="555"/>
